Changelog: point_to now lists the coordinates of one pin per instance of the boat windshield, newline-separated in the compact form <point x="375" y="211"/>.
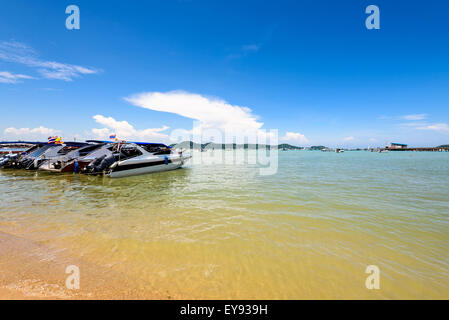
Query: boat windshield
<point x="33" y="148"/>
<point x="86" y="150"/>
<point x="66" y="150"/>
<point x="129" y="151"/>
<point x="156" y="148"/>
<point x="38" y="152"/>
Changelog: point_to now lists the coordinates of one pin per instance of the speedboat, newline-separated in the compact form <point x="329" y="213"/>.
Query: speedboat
<point x="130" y="159"/>
<point x="35" y="156"/>
<point x="75" y="160"/>
<point x="10" y="159"/>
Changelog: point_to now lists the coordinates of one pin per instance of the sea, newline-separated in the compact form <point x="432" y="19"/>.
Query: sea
<point x="316" y="228"/>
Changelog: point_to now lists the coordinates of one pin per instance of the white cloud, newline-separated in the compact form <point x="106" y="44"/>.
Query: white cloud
<point x="295" y="137"/>
<point x="414" y="117"/>
<point x="27" y="133"/>
<point x="413" y="124"/>
<point x="244" y="50"/>
<point x="251" y="47"/>
<point x="102" y="133"/>
<point x="126" y="131"/>
<point x="20" y="53"/>
<point x="440" y="127"/>
<point x="350" y="138"/>
<point x="211" y="113"/>
<point x="8" y="77"/>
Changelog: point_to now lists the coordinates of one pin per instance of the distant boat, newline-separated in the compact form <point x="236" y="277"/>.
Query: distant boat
<point x="338" y="150"/>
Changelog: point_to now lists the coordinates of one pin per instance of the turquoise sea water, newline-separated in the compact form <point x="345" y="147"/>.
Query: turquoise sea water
<point x="225" y="231"/>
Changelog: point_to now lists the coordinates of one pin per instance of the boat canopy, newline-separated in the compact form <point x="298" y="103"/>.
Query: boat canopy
<point x="160" y="145"/>
<point x="22" y="142"/>
<point x="69" y="143"/>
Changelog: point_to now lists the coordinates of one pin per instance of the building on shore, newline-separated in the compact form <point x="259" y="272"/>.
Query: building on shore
<point x="396" y="146"/>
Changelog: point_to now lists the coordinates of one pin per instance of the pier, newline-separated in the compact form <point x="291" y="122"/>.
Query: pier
<point x="404" y="147"/>
<point x="433" y="149"/>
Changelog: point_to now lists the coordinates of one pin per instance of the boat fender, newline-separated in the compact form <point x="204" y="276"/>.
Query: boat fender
<point x="166" y="159"/>
<point x="76" y="168"/>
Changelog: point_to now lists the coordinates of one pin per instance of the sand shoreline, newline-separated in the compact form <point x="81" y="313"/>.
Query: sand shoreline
<point x="29" y="270"/>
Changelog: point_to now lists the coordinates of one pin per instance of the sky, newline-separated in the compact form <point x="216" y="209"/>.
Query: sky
<point x="161" y="70"/>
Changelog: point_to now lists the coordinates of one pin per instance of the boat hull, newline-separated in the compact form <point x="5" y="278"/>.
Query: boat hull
<point x="148" y="168"/>
<point x="67" y="168"/>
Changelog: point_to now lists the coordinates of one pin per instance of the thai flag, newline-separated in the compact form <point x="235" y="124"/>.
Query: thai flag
<point x="112" y="136"/>
<point x="52" y="139"/>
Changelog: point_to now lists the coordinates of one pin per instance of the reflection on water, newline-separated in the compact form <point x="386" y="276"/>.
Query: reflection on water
<point x="224" y="231"/>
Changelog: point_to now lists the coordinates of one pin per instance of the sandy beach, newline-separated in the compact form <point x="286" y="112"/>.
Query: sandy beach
<point x="30" y="270"/>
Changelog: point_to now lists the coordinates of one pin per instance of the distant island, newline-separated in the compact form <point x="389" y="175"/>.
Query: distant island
<point x="285" y="146"/>
<point x="228" y="146"/>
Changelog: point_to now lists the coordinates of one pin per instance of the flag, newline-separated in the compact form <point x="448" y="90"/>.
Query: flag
<point x="112" y="136"/>
<point x="55" y="139"/>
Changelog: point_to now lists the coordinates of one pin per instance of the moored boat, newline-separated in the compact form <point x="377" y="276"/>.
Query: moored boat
<point x="75" y="160"/>
<point x="130" y="159"/>
<point x="34" y="158"/>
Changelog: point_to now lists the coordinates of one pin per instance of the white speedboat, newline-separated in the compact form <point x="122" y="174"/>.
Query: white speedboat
<point x="140" y="161"/>
<point x="131" y="159"/>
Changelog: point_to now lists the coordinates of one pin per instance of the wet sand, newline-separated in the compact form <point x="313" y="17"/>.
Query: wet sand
<point x="29" y="270"/>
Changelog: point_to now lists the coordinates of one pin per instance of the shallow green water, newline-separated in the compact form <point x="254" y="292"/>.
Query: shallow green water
<point x="225" y="231"/>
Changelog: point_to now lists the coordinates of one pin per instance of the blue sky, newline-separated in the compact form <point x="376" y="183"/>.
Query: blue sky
<point x="310" y="69"/>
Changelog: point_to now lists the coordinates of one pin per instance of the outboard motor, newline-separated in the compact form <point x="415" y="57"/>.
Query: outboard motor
<point x="94" y="166"/>
<point x="8" y="160"/>
<point x="26" y="163"/>
<point x="57" y="165"/>
<point x="4" y="160"/>
<point x="107" y="162"/>
<point x="101" y="164"/>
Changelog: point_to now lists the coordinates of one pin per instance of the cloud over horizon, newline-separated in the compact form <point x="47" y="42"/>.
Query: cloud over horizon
<point x="211" y="113"/>
<point x="124" y="130"/>
<point x="295" y="137"/>
<point x="440" y="127"/>
<point x="40" y="132"/>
